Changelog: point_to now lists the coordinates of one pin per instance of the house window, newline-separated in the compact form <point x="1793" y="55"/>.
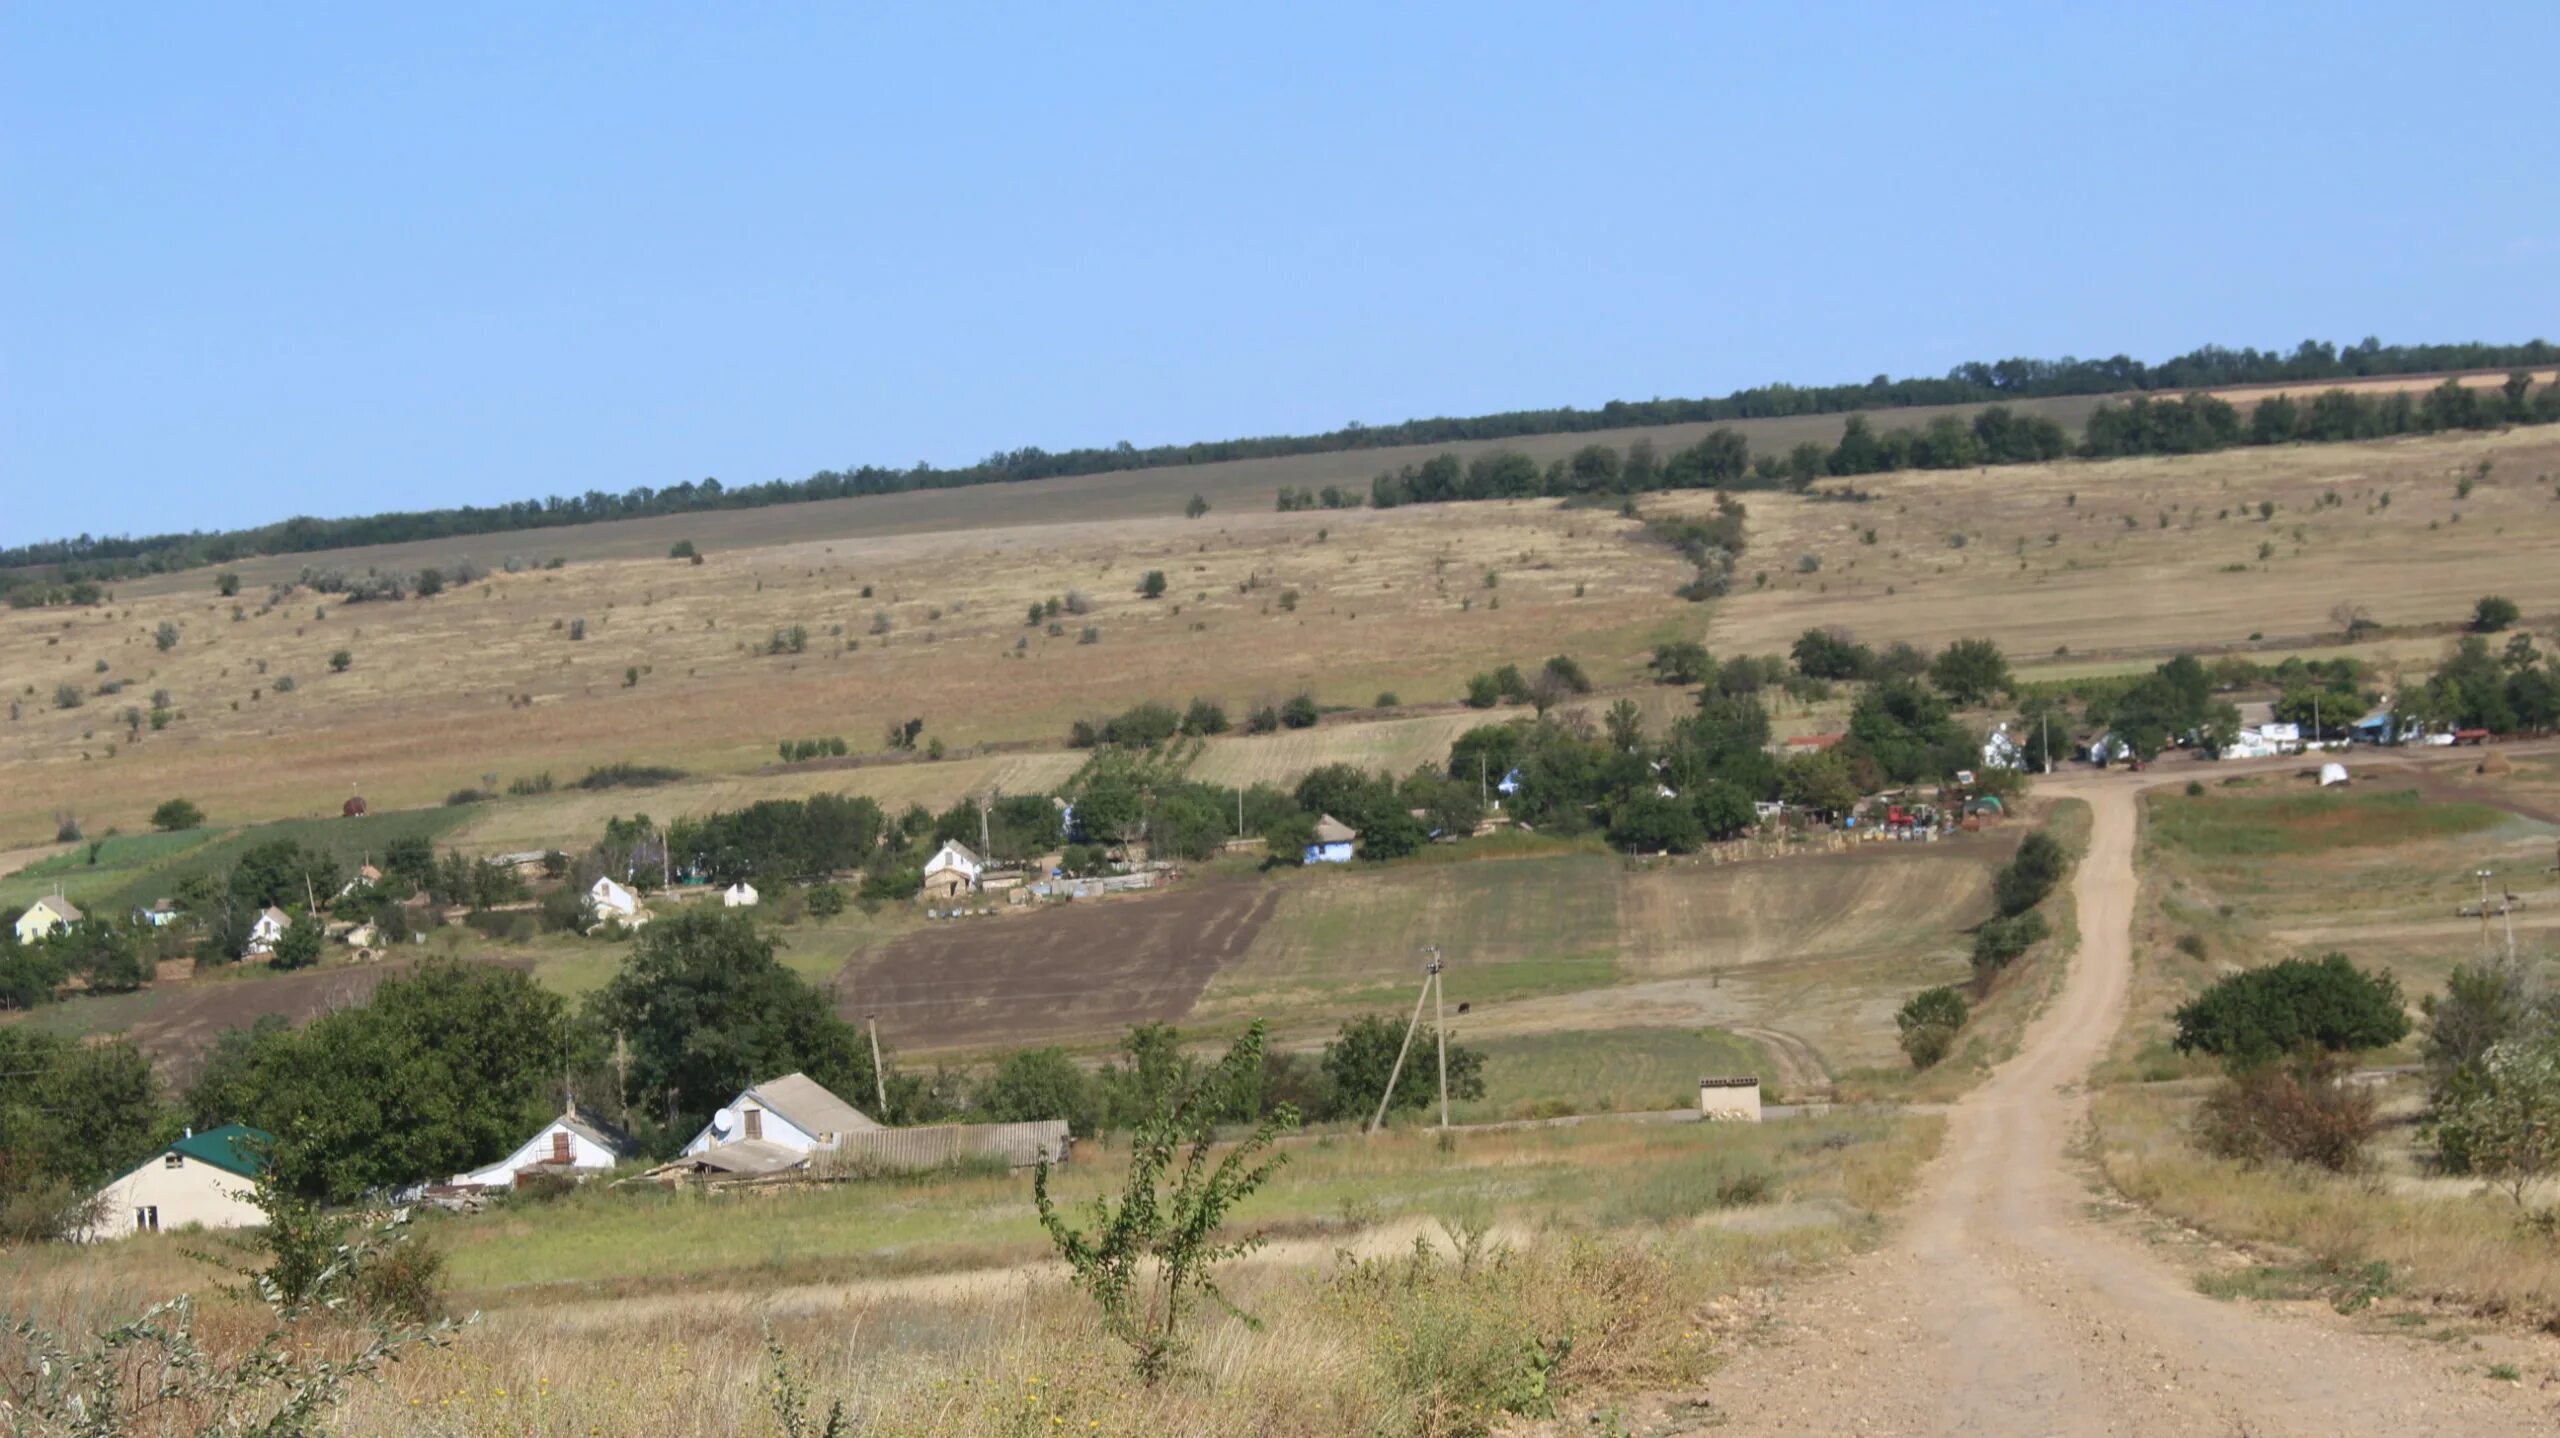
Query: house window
<point x="560" y="1145"/>
<point x="146" y="1219"/>
<point x="175" y="1160"/>
<point x="755" y="1123"/>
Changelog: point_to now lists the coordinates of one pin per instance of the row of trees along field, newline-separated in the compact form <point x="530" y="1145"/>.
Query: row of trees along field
<point x="453" y="1064"/>
<point x="95" y="558"/>
<point x="2195" y="424"/>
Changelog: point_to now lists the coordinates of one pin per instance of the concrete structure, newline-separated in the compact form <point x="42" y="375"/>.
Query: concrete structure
<point x="1729" y="1100"/>
<point x="204" y="1180"/>
<point x="572" y="1143"/>
<point x="794" y="1111"/>
<point x="45" y="917"/>
<point x="1334" y="842"/>
<point x="740" y="895"/>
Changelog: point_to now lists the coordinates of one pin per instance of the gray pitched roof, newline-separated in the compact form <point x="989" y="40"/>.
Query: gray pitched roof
<point x="64" y="908"/>
<point x="809" y="1106"/>
<point x="596" y="1131"/>
<point x="1330" y="830"/>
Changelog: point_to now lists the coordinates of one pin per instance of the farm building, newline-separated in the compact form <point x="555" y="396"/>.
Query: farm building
<point x="954" y="869"/>
<point x="204" y="1180"/>
<point x="793" y="1111"/>
<point x="46" y="916"/>
<point x="1334" y="842"/>
<point x="161" y="914"/>
<point x="572" y="1143"/>
<point x="740" y="895"/>
<point x="267" y="932"/>
<point x="609" y="900"/>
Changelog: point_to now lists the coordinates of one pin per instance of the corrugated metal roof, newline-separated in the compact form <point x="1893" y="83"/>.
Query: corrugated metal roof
<point x="234" y="1148"/>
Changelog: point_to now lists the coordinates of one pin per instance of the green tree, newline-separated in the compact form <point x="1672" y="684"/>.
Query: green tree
<point x="443" y="1068"/>
<point x="1363" y="1053"/>
<point x="1647" y="823"/>
<point x="2493" y="613"/>
<point x="1030" y="1085"/>
<point x="176" y="814"/>
<point x="706" y="1008"/>
<point x="298" y="947"/>
<point x="2263" y="1014"/>
<point x="340" y="661"/>
<point x="1929" y="1021"/>
<point x="2504" y="1120"/>
<point x="166" y="636"/>
<point x="1970" y="672"/>
<point x="1300" y="712"/>
<point x="1683" y="661"/>
<point x="226" y="584"/>
<point x="1146" y="1260"/>
<point x="2030" y="874"/>
<point x="72" y="1114"/>
<point x="1151" y="585"/>
<point x="1196" y="507"/>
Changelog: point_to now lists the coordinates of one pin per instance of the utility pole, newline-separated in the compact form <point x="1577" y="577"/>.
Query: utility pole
<point x="1401" y="1050"/>
<point x="879" y="1076"/>
<point x="1239" y="811"/>
<point x="622" y="1077"/>
<point x="986" y="845"/>
<point x="1440" y="1031"/>
<point x="2483" y="876"/>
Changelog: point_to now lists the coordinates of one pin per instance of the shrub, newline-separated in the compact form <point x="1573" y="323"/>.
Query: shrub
<point x="1929" y="1021"/>
<point x="1569" y="674"/>
<point x="1151" y="585"/>
<point x="226" y="584"/>
<point x="2024" y="881"/>
<point x="1264" y="719"/>
<point x="2503" y="1121"/>
<point x="341" y="661"/>
<point x="1300" y="712"/>
<point x="2252" y="1018"/>
<point x="826" y="901"/>
<point x="577" y="629"/>
<point x="1204" y="717"/>
<point x="2299" y="1111"/>
<point x="68" y="696"/>
<point x="177" y="814"/>
<point x="2493" y="613"/>
<point x="684" y="549"/>
<point x="1928" y="1045"/>
<point x="1482" y="691"/>
<point x="166" y="636"/>
<point x="2001" y="940"/>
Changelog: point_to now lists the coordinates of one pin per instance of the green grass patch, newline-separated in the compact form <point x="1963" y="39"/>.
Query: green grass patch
<point x="86" y="871"/>
<point x="1605" y="1071"/>
<point x="2228" y="826"/>
<point x="349" y="841"/>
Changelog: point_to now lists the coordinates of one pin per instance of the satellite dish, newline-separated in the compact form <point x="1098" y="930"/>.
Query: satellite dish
<point x="722" y="1121"/>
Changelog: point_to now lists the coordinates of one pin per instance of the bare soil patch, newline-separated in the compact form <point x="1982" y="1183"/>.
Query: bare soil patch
<point x="1090" y="968"/>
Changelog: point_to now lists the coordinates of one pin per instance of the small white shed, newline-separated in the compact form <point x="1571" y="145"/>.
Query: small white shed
<point x="1729" y="1099"/>
<point x="572" y="1143"/>
<point x="740" y="895"/>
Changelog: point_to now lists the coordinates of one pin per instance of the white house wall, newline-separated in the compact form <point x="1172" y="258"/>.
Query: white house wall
<point x="584" y="1152"/>
<point x="194" y="1193"/>
<point x="776" y="1129"/>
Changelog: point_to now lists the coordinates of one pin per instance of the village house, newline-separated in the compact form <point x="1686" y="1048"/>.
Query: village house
<point x="46" y="916"/>
<point x="365" y="878"/>
<point x="794" y="1113"/>
<point x="1334" y="842"/>
<point x="204" y="1180"/>
<point x="161" y="914"/>
<point x="571" y="1144"/>
<point x="953" y="870"/>
<point x="740" y="895"/>
<point x="267" y="932"/>
<point x="608" y="901"/>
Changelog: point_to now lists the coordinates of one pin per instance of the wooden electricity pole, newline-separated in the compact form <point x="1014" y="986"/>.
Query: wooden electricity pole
<point x="1440" y="1034"/>
<point x="879" y="1075"/>
<point x="1429" y="975"/>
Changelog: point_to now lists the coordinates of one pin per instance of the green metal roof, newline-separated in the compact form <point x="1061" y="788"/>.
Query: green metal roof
<point x="234" y="1147"/>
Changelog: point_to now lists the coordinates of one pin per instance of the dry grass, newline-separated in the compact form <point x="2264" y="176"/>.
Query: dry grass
<point x="479" y="682"/>
<point x="2473" y="1249"/>
<point x="1378" y="1315"/>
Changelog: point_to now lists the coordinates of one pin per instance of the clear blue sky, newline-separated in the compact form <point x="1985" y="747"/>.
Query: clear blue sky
<point x="270" y="259"/>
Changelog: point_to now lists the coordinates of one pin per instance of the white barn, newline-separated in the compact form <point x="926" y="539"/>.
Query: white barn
<point x="794" y="1112"/>
<point x="572" y="1143"/>
<point x="954" y="868"/>
<point x="204" y="1180"/>
<point x="268" y="931"/>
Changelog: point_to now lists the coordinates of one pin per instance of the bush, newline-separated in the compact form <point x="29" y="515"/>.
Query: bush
<point x="2253" y="1018"/>
<point x="2000" y="941"/>
<point x="684" y="549"/>
<point x="2024" y="881"/>
<point x="2493" y="613"/>
<point x="1568" y="674"/>
<point x="340" y="661"/>
<point x="1482" y="691"/>
<point x="2502" y="1121"/>
<point x="176" y="814"/>
<point x="1300" y="712"/>
<point x="2300" y="1111"/>
<point x="1151" y="585"/>
<point x="1203" y="718"/>
<point x="1928" y="1045"/>
<point x="826" y="901"/>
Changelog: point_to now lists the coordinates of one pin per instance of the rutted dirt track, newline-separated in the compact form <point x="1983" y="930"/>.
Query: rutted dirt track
<point x="2002" y="1309"/>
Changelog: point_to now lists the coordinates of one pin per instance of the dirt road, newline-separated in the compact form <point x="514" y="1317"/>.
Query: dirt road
<point x="2002" y="1308"/>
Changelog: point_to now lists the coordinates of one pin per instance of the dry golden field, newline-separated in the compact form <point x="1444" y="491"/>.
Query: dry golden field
<point x="2068" y="564"/>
